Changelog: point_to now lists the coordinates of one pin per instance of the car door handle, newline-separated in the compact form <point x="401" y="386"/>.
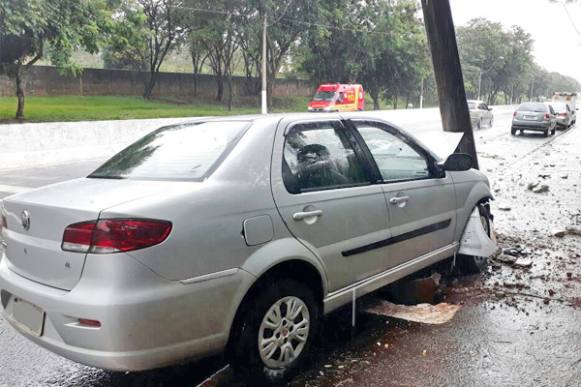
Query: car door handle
<point x="307" y="214"/>
<point x="398" y="199"/>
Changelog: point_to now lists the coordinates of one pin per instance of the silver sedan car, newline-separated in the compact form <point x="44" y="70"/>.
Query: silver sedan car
<point x="232" y="235"/>
<point x="480" y="114"/>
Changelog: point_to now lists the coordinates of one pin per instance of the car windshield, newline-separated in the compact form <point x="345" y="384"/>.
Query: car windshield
<point x="185" y="152"/>
<point x="324" y="96"/>
<point x="532" y="107"/>
<point x="471" y="105"/>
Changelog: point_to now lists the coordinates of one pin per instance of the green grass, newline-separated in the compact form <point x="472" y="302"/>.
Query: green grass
<point x="73" y="108"/>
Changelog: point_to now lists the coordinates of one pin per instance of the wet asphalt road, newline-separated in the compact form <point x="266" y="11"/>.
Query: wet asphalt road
<point x="518" y="327"/>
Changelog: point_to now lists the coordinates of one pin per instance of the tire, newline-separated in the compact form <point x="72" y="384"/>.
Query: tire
<point x="546" y="133"/>
<point x="553" y="131"/>
<point x="513" y="131"/>
<point x="274" y="369"/>
<point x="470" y="264"/>
<point x="491" y="123"/>
<point x="479" y="124"/>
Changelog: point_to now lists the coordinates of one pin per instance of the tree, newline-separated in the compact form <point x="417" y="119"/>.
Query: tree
<point x="484" y="47"/>
<point x="215" y="25"/>
<point x="31" y="29"/>
<point x="287" y="22"/>
<point x="199" y="55"/>
<point x="379" y="44"/>
<point x="145" y="31"/>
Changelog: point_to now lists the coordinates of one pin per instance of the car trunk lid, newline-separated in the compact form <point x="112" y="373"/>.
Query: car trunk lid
<point x="530" y="116"/>
<point x="37" y="220"/>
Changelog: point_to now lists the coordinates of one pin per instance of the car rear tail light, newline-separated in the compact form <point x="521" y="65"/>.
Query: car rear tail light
<point x="563" y="114"/>
<point x="514" y="114"/>
<point x="547" y="116"/>
<point x="114" y="235"/>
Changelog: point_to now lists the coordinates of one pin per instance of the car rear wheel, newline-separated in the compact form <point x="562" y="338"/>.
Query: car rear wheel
<point x="546" y="133"/>
<point x="276" y="332"/>
<point x="470" y="264"/>
<point x="479" y="124"/>
<point x="512" y="131"/>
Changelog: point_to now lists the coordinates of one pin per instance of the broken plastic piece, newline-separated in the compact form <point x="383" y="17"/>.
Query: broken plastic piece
<point x="475" y="241"/>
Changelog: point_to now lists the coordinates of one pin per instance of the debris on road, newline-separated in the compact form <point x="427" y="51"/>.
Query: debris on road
<point x="421" y="313"/>
<point x="541" y="189"/>
<point x="574" y="231"/>
<point x="507" y="259"/>
<point x="523" y="262"/>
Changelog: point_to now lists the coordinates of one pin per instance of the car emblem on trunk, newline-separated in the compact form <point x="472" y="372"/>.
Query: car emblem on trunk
<point x="25" y="220"/>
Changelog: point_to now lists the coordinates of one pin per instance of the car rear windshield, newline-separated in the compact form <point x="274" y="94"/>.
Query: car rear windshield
<point x="533" y="107"/>
<point x="185" y="152"/>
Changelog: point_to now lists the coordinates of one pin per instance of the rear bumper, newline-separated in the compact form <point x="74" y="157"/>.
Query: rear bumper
<point x="563" y="122"/>
<point x="146" y="321"/>
<point x="531" y="125"/>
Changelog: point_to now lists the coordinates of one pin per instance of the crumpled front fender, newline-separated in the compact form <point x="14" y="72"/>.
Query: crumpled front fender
<point x="475" y="240"/>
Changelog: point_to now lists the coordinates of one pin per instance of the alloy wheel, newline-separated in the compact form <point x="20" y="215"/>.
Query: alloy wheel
<point x="283" y="332"/>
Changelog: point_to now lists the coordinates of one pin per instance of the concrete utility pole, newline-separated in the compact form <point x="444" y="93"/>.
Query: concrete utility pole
<point x="263" y="95"/>
<point x="442" y="41"/>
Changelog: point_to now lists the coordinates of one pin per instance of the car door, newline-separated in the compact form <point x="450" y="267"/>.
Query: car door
<point x="321" y="183"/>
<point x="419" y="196"/>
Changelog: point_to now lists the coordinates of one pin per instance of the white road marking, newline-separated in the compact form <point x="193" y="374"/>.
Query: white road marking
<point x="13" y="188"/>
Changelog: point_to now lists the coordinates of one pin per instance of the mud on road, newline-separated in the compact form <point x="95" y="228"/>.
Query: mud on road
<point x="519" y="324"/>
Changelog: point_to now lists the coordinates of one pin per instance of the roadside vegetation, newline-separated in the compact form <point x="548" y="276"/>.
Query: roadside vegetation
<point x="73" y="108"/>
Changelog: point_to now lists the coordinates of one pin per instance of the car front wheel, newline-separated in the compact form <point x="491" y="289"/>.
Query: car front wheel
<point x="276" y="332"/>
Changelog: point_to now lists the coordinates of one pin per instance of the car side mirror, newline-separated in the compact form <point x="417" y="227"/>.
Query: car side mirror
<point x="458" y="162"/>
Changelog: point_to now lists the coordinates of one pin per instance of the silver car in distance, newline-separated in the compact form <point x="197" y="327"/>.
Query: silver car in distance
<point x="230" y="235"/>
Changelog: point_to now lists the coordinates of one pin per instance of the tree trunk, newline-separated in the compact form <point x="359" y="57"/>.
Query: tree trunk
<point x="407" y="100"/>
<point x="219" y="87"/>
<point x="150" y="85"/>
<point x="19" y="94"/>
<point x="229" y="81"/>
<point x="395" y="101"/>
<point x="442" y="42"/>
<point x="375" y="97"/>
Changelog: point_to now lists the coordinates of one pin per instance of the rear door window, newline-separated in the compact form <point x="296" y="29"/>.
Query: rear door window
<point x="185" y="152"/>
<point x="319" y="156"/>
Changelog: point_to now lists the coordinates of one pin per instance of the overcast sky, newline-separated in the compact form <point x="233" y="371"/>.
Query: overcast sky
<point x="557" y="44"/>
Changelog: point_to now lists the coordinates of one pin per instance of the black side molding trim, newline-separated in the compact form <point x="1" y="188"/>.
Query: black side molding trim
<point x="398" y="238"/>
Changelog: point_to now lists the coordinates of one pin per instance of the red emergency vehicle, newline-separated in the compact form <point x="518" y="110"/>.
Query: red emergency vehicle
<point x="337" y="97"/>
